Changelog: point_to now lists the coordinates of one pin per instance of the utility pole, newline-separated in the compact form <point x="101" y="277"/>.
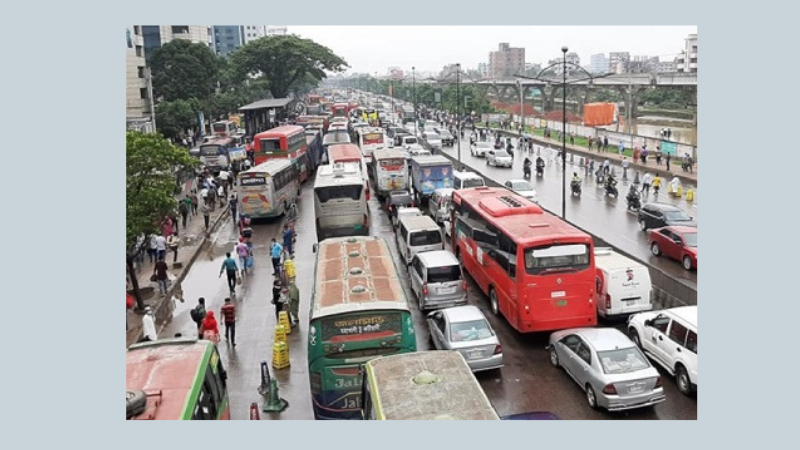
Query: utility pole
<point x="564" y="50"/>
<point x="150" y="95"/>
<point x="458" y="116"/>
<point x="414" y="86"/>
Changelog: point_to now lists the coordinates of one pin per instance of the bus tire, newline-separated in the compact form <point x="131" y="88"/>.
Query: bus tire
<point x="136" y="402"/>
<point x="493" y="301"/>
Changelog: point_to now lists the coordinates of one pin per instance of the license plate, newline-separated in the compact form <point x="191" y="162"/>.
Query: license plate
<point x="474" y="354"/>
<point x="447" y="290"/>
<point x="635" y="389"/>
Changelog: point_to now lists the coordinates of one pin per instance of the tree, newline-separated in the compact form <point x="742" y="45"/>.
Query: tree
<point x="173" y="117"/>
<point x="285" y="61"/>
<point x="183" y="70"/>
<point x="152" y="163"/>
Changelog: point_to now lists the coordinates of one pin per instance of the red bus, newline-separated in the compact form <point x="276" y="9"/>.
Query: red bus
<point x="288" y="141"/>
<point x="537" y="269"/>
<point x="341" y="110"/>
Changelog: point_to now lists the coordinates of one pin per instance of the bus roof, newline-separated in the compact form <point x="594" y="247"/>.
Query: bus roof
<point x="347" y="173"/>
<point x="336" y="138"/>
<point x="431" y="160"/>
<point x="284" y="130"/>
<point x="427" y="385"/>
<point x="338" y="152"/>
<point x="217" y="141"/>
<point x="169" y="366"/>
<point x="522" y="220"/>
<point x="388" y="153"/>
<point x="269" y="166"/>
<point x="354" y="274"/>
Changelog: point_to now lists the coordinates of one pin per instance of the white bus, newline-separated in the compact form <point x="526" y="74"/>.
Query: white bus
<point x="389" y="171"/>
<point x="371" y="139"/>
<point x="340" y="201"/>
<point x="268" y="189"/>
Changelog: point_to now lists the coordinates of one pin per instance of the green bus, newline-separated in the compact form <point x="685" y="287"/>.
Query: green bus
<point x="358" y="311"/>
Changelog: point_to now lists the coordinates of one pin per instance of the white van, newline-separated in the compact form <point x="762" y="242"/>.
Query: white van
<point x="623" y="285"/>
<point x="439" y="204"/>
<point x="417" y="234"/>
<point x="463" y="180"/>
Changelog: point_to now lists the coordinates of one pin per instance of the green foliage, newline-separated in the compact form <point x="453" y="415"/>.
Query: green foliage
<point x="150" y="176"/>
<point x="286" y="61"/>
<point x="175" y="116"/>
<point x="666" y="98"/>
<point x="183" y="70"/>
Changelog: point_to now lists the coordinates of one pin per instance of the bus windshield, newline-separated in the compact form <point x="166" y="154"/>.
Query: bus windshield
<point x="209" y="150"/>
<point x="562" y="257"/>
<point x="430" y="237"/>
<point x="352" y="192"/>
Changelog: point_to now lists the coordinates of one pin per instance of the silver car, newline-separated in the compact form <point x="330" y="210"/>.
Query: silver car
<point x="499" y="158"/>
<point x="611" y="369"/>
<point x="481" y="148"/>
<point x="465" y="328"/>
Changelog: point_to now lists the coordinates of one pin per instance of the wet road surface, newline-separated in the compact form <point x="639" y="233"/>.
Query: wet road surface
<point x="527" y="382"/>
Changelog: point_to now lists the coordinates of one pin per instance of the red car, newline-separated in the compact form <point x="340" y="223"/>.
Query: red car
<point x="676" y="242"/>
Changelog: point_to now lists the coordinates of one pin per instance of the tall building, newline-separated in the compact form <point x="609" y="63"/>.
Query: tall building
<point x="618" y="62"/>
<point x="137" y="98"/>
<point x="598" y="63"/>
<point x="507" y="61"/>
<point x="395" y="72"/>
<point x="277" y="30"/>
<point x="643" y="64"/>
<point x="484" y="70"/>
<point x="687" y="61"/>
<point x="253" y="32"/>
<point x="157" y="35"/>
<point x="667" y="66"/>
<point x="558" y="64"/>
<point x="227" y="38"/>
<point x="449" y="71"/>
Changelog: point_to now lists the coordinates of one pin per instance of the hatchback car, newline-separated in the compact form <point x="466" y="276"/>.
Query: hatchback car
<point x="669" y="337"/>
<point x="611" y="369"/>
<point x="678" y="243"/>
<point x="499" y="158"/>
<point x="447" y="138"/>
<point x="523" y="188"/>
<point x="465" y="328"/>
<point x="433" y="139"/>
<point x="481" y="148"/>
<point x="657" y="215"/>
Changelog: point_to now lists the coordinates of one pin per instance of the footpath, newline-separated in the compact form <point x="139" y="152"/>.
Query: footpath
<point x="612" y="154"/>
<point x="192" y="239"/>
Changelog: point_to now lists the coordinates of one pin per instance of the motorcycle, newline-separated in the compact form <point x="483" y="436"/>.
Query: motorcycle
<point x="634" y="202"/>
<point x="526" y="171"/>
<point x="539" y="171"/>
<point x="611" y="190"/>
<point x="576" y="188"/>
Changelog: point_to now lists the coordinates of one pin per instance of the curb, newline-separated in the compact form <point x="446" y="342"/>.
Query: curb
<point x="162" y="309"/>
<point x="587" y="153"/>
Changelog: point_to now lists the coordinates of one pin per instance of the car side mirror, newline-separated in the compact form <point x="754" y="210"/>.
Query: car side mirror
<point x="648" y="323"/>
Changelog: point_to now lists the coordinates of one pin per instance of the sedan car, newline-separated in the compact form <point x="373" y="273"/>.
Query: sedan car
<point x="433" y="139"/>
<point x="447" y="138"/>
<point x="657" y="215"/>
<point x="611" y="369"/>
<point x="522" y="188"/>
<point x="499" y="158"/>
<point x="677" y="242"/>
<point x="465" y="328"/>
<point x="417" y="150"/>
<point x="481" y="148"/>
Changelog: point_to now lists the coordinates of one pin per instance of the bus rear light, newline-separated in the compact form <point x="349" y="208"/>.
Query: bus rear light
<point x="498" y="349"/>
<point x="610" y="390"/>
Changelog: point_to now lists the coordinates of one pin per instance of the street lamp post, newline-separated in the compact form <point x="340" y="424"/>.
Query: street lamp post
<point x="458" y="117"/>
<point x="414" y="86"/>
<point x="564" y="137"/>
<point x="521" y="112"/>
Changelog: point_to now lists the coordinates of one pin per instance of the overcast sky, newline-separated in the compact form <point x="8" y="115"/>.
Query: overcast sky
<point x="375" y="49"/>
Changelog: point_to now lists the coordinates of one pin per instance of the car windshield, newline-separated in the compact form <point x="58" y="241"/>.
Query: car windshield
<point x="521" y="186"/>
<point x="473" y="182"/>
<point x="690" y="239"/>
<point x="677" y="216"/>
<point x="444" y="274"/>
<point x="501" y="154"/>
<point x="623" y="360"/>
<point x="470" y="331"/>
<point x="404" y="199"/>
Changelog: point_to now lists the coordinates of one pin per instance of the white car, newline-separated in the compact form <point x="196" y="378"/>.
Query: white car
<point x="433" y="139"/>
<point x="669" y="337"/>
<point x="417" y="150"/>
<point x="522" y="188"/>
<point x="480" y="149"/>
<point x="499" y="158"/>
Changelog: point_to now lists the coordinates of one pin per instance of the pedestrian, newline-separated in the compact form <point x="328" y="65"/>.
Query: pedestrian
<point x="276" y="296"/>
<point x="233" y="206"/>
<point x="212" y="197"/>
<point x="148" y="326"/>
<point x="625" y="165"/>
<point x="647" y="180"/>
<point x="221" y="196"/>
<point x="590" y="144"/>
<point x="656" y="184"/>
<point x="173" y="242"/>
<point x="606" y="167"/>
<point x="206" y="211"/>
<point x="658" y="155"/>
<point x="185" y="142"/>
<point x="622" y="147"/>
<point x="244" y="254"/>
<point x="668" y="158"/>
<point x="228" y="314"/>
<point x="184" y="206"/>
<point x="209" y="328"/>
<point x="161" y="247"/>
<point x="571" y="138"/>
<point x="193" y="202"/>
<point x="229" y="266"/>
<point x="591" y="165"/>
<point x="160" y="274"/>
<point x="198" y="313"/>
<point x="294" y="304"/>
<point x="644" y="154"/>
<point x="287" y="239"/>
<point x="152" y="250"/>
<point x="276" y="250"/>
<point x="605" y="143"/>
<point x="224" y="178"/>
<point x="204" y="193"/>
<point x="167" y="227"/>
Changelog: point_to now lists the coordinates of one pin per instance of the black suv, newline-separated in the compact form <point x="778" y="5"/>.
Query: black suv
<point x="447" y="138"/>
<point x="657" y="215"/>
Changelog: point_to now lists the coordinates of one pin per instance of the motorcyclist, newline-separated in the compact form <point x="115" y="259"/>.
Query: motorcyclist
<point x="633" y="194"/>
<point x="611" y="183"/>
<point x="575" y="184"/>
<point x="539" y="164"/>
<point x="526" y="166"/>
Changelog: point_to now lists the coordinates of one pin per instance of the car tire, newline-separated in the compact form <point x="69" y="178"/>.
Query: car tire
<point x="591" y="398"/>
<point x="687" y="263"/>
<point x="683" y="381"/>
<point x="634" y="336"/>
<point x="654" y="249"/>
<point x="642" y="224"/>
<point x="554" y="357"/>
<point x="136" y="402"/>
<point x="493" y="301"/>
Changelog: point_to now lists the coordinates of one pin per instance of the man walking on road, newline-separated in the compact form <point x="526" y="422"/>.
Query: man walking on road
<point x="206" y="211"/>
<point x="160" y="272"/>
<point x="173" y="242"/>
<point x="198" y="313"/>
<point x="605" y="143"/>
<point x="287" y="238"/>
<point x="276" y="250"/>
<point x="184" y="206"/>
<point x="228" y="314"/>
<point x="233" y="207"/>
<point x="230" y="268"/>
<point x="668" y="158"/>
<point x="194" y="202"/>
<point x="148" y="326"/>
<point x="647" y="179"/>
<point x="161" y="247"/>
